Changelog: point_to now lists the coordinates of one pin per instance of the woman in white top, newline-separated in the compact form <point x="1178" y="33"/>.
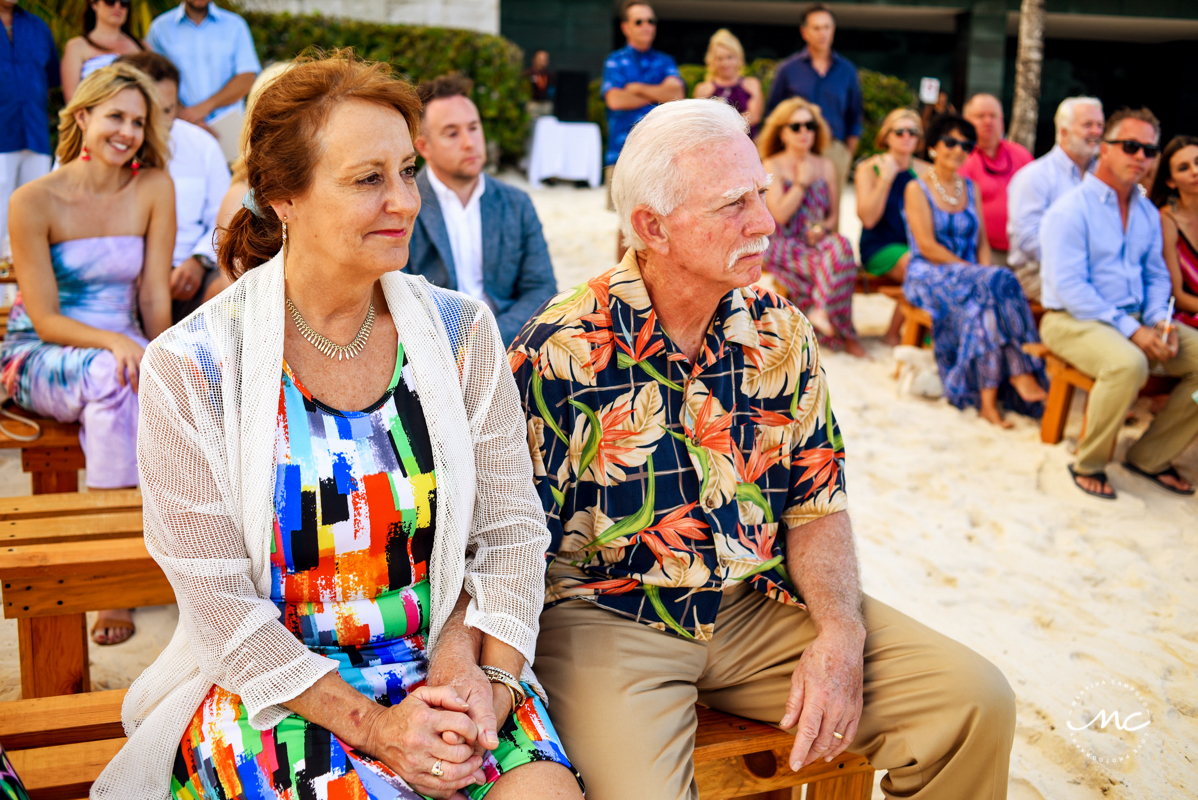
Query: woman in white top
<point x="338" y="485"/>
<point x="107" y="35"/>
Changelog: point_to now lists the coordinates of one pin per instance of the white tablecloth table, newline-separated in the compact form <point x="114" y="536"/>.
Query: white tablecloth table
<point x="571" y="151"/>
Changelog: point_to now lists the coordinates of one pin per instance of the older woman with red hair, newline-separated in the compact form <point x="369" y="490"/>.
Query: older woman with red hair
<point x="338" y="486"/>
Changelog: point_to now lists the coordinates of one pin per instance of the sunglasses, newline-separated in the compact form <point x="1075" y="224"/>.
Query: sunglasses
<point x="912" y="132"/>
<point x="812" y="126"/>
<point x="110" y="3"/>
<point x="645" y="21"/>
<point x="1131" y="147"/>
<point x="952" y="141"/>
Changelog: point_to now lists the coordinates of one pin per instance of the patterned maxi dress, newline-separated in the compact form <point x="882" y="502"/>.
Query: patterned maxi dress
<point x="1187" y="259"/>
<point x="97" y="285"/>
<point x="355" y="504"/>
<point x="980" y="315"/>
<point x="822" y="276"/>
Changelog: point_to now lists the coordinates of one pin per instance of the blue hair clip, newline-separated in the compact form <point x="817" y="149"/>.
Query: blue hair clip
<point x="248" y="203"/>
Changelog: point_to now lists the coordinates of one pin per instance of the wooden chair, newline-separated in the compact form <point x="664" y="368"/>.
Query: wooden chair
<point x="53" y="459"/>
<point x="737" y="757"/>
<point x="59" y="745"/>
<point x="1063" y="379"/>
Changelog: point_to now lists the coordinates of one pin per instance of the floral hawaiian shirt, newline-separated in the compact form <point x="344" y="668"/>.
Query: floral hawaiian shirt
<point x="665" y="482"/>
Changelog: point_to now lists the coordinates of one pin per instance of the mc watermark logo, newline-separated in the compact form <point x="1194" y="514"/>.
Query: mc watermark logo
<point x="1109" y="721"/>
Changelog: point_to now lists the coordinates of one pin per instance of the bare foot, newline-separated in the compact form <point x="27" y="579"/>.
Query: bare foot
<point x="1090" y="483"/>
<point x="1029" y="388"/>
<point x="113" y="626"/>
<point x="854" y="348"/>
<point x="820" y="320"/>
<point x="992" y="414"/>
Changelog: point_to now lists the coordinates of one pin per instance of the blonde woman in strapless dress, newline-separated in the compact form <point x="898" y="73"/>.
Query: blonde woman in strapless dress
<point x="92" y="246"/>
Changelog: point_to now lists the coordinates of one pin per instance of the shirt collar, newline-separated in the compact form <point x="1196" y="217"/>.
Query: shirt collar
<point x="214" y="13"/>
<point x="446" y="196"/>
<point x="1066" y="163"/>
<point x="731" y="323"/>
<point x="805" y="55"/>
<point x="1106" y="193"/>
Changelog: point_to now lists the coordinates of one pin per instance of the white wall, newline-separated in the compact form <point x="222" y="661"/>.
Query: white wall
<point x="476" y="15"/>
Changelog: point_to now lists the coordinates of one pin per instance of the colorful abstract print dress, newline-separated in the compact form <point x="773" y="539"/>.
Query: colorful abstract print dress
<point x="97" y="285"/>
<point x="980" y="315"/>
<point x="820" y="275"/>
<point x="355" y="505"/>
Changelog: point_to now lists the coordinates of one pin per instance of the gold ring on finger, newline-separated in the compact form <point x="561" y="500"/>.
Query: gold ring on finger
<point x="436" y="771"/>
<point x="837" y="735"/>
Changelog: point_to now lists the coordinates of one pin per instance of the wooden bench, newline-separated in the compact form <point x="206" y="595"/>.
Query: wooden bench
<point x="737" y="757"/>
<point x="1063" y="379"/>
<point x="53" y="459"/>
<point x="60" y="557"/>
<point x="868" y="283"/>
<point x="59" y="746"/>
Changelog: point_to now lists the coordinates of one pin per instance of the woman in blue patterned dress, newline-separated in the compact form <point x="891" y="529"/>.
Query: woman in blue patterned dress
<point x="980" y="315"/>
<point x="338" y="485"/>
<point x="92" y="246"/>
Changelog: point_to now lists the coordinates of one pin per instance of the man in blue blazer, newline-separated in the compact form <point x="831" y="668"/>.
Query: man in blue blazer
<point x="474" y="234"/>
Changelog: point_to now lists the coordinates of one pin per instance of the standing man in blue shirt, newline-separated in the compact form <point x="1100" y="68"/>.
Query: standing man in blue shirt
<point x="214" y="52"/>
<point x="636" y="79"/>
<point x="1107" y="289"/>
<point x="28" y="70"/>
<point x="820" y="75"/>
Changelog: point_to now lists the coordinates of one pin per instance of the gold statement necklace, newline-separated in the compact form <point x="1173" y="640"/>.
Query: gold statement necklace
<point x="327" y="346"/>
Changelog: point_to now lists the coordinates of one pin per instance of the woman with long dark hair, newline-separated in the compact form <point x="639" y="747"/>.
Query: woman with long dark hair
<point x="1175" y="192"/>
<point x="107" y="35"/>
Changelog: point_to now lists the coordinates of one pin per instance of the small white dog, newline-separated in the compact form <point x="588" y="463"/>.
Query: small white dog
<point x="917" y="373"/>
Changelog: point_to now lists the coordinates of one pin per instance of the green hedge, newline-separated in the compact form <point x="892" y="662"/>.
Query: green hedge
<point x="494" y="64"/>
<point x="881" y="94"/>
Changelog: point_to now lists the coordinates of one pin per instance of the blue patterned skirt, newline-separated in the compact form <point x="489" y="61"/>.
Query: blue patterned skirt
<point x="980" y="320"/>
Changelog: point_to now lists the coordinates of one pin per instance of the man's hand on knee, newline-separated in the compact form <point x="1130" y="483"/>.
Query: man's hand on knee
<point x="825" y="696"/>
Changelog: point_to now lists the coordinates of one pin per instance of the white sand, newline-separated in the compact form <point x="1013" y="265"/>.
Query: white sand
<point x="974" y="531"/>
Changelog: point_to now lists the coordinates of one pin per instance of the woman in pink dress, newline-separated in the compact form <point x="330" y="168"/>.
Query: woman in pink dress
<point x="811" y="262"/>
<point x="1176" y="192"/>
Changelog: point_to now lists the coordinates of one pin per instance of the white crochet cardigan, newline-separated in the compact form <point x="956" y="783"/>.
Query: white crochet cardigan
<point x="209" y="401"/>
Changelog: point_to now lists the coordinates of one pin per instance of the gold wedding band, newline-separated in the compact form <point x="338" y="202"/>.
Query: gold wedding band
<point x="834" y="733"/>
<point x="437" y="771"/>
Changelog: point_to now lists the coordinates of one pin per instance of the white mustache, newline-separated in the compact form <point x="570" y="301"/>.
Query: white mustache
<point x="751" y="248"/>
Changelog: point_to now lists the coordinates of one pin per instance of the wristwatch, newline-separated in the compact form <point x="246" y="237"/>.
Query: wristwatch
<point x="207" y="263"/>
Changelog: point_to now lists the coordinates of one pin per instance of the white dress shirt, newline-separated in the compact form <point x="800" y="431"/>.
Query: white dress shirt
<point x="464" y="224"/>
<point x="1029" y="194"/>
<point x="201" y="179"/>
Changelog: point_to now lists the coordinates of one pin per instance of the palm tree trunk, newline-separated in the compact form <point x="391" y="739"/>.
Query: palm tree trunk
<point x="1030" y="57"/>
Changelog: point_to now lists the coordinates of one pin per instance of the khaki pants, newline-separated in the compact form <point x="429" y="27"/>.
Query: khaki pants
<point x="838" y="153"/>
<point x="937" y="715"/>
<point x="1028" y="275"/>
<point x="1120" y="370"/>
<point x="609" y="173"/>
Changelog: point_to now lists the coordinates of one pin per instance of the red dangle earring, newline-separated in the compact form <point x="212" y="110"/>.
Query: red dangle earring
<point x="135" y="165"/>
<point x="85" y="156"/>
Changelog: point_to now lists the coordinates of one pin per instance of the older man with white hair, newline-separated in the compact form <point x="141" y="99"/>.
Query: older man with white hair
<point x="1034" y="188"/>
<point x="692" y="471"/>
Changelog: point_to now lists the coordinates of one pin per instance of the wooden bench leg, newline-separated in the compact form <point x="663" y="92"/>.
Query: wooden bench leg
<point x="53" y="469"/>
<point x="857" y="786"/>
<point x="1056" y="410"/>
<point x="53" y="654"/>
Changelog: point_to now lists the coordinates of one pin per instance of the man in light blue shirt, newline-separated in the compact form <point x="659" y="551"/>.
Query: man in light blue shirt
<point x="1107" y="290"/>
<point x="214" y="52"/>
<point x="1034" y="188"/>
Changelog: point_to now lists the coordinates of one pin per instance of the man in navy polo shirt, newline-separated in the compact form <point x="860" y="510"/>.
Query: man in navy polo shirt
<point x="820" y="75"/>
<point x="636" y="79"/>
<point x="28" y="70"/>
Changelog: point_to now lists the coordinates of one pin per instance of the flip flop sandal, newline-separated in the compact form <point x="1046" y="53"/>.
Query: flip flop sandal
<point x="1170" y="472"/>
<point x="113" y="624"/>
<point x="1101" y="476"/>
